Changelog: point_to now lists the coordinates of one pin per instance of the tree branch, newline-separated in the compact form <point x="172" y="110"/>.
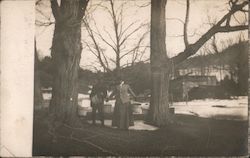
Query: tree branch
<point x="177" y="19"/>
<point x="131" y="33"/>
<point x="115" y="23"/>
<point x="109" y="35"/>
<point x="137" y="46"/>
<point x="191" y="49"/>
<point x="185" y="38"/>
<point x="124" y="31"/>
<point x="127" y="64"/>
<point x="40" y="23"/>
<point x="232" y="28"/>
<point x="97" y="48"/>
<point x="214" y="45"/>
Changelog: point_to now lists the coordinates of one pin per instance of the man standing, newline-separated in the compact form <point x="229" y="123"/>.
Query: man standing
<point x="97" y="96"/>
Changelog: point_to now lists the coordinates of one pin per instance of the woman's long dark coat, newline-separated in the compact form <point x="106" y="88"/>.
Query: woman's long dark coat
<point x="123" y="115"/>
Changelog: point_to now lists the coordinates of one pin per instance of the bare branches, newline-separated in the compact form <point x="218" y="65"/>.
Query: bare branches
<point x="188" y="35"/>
<point x="181" y="21"/>
<point x="186" y="25"/>
<point x="132" y="63"/>
<point x="109" y="35"/>
<point x="218" y="27"/>
<point x="232" y="28"/>
<point x="214" y="45"/>
<point x="235" y="20"/>
<point x="115" y="26"/>
<point x="118" y="37"/>
<point x="135" y="49"/>
<point x="40" y="23"/>
<point x="142" y="5"/>
<point x="105" y="41"/>
<point x="131" y="33"/>
<point x="122" y="32"/>
<point x="97" y="48"/>
<point x="44" y="18"/>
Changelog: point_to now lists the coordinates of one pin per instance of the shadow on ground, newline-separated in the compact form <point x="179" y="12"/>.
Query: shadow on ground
<point x="189" y="136"/>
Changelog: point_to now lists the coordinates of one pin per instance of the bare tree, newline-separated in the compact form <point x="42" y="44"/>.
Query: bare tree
<point x="161" y="64"/>
<point x="96" y="49"/>
<point x="66" y="53"/>
<point x="116" y="38"/>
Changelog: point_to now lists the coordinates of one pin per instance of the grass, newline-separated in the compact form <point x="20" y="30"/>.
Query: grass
<point x="190" y="136"/>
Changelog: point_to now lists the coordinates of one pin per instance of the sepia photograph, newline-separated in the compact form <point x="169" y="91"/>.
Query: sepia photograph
<point x="141" y="78"/>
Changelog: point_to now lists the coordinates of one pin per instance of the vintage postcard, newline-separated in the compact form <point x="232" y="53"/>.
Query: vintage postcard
<point x="124" y="78"/>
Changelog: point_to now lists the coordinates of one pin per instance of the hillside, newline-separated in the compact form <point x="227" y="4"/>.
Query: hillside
<point x="232" y="55"/>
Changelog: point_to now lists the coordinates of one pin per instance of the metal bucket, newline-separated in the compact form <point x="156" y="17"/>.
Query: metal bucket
<point x="107" y="108"/>
<point x="144" y="111"/>
<point x="136" y="108"/>
<point x="172" y="110"/>
<point x="82" y="111"/>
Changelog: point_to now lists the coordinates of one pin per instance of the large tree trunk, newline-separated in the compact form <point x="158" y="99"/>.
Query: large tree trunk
<point x="66" y="54"/>
<point x="160" y="71"/>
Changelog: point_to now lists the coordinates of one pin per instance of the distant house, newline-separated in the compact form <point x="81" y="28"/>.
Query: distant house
<point x="230" y="62"/>
<point x="204" y="73"/>
<point x="220" y="72"/>
<point x="180" y="86"/>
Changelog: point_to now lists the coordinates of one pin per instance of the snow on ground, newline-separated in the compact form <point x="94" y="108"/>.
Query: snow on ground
<point x="234" y="109"/>
<point x="138" y="125"/>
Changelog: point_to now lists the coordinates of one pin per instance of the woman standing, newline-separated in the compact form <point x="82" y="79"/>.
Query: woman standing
<point x="122" y="116"/>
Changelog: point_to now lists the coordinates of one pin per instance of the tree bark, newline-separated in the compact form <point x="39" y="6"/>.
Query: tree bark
<point x="160" y="71"/>
<point x="66" y="54"/>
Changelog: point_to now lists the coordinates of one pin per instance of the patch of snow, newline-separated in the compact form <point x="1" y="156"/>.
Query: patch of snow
<point x="236" y="109"/>
<point x="138" y="125"/>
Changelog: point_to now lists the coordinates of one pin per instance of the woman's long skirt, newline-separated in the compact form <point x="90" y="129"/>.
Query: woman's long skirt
<point x="123" y="115"/>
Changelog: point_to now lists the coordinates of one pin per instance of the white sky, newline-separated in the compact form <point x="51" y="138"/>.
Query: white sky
<point x="199" y="12"/>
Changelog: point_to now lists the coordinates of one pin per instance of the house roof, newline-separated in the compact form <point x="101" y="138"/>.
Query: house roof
<point x="194" y="77"/>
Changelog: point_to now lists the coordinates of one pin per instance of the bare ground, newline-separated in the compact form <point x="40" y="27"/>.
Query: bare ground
<point x="189" y="136"/>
